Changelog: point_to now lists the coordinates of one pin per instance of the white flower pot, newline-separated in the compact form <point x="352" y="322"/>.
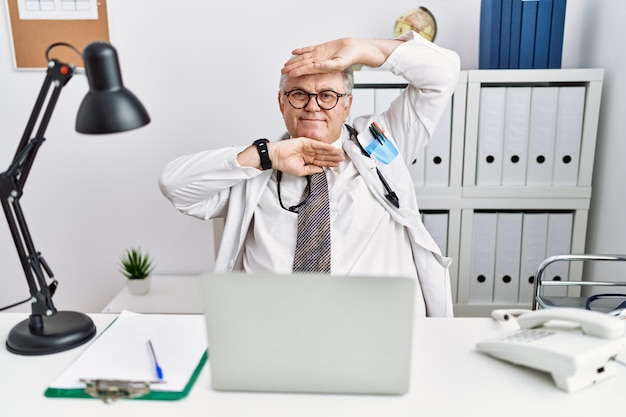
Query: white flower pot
<point x="138" y="286"/>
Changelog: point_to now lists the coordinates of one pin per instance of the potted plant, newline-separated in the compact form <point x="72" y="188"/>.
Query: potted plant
<point x="137" y="266"/>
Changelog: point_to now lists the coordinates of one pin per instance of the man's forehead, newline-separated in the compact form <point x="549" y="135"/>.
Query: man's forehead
<point x="333" y="81"/>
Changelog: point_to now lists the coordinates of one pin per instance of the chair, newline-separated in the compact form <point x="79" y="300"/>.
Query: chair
<point x="540" y="300"/>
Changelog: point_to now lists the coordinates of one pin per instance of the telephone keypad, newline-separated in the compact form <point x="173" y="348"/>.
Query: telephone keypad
<point x="528" y="335"/>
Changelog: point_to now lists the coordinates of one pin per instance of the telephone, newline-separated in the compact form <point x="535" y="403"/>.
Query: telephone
<point x="577" y="347"/>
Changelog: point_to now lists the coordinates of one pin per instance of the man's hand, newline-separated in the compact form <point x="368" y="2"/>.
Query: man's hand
<point x="337" y="55"/>
<point x="297" y="156"/>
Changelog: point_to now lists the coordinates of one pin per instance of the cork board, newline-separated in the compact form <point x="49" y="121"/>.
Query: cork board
<point x="31" y="38"/>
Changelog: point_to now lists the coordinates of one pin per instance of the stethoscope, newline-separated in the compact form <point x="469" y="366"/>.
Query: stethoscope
<point x="390" y="195"/>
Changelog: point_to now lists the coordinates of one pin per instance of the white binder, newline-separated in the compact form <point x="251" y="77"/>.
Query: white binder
<point x="568" y="135"/>
<point x="437" y="160"/>
<point x="559" y="241"/>
<point x="507" y="265"/>
<point x="483" y="257"/>
<point x="517" y="122"/>
<point x="362" y="103"/>
<point x="533" y="252"/>
<point x="490" y="131"/>
<point x="437" y="226"/>
<point x="543" y="111"/>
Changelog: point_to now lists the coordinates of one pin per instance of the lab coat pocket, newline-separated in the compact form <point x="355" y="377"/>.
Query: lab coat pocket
<point x="377" y="145"/>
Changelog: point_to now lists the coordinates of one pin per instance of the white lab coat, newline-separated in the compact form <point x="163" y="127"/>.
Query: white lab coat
<point x="236" y="199"/>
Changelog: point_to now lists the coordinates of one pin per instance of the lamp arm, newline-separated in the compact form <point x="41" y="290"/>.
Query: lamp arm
<point x="32" y="261"/>
<point x="11" y="189"/>
<point x="34" y="115"/>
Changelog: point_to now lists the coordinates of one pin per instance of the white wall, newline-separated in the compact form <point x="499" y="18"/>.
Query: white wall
<point x="604" y="48"/>
<point x="208" y="76"/>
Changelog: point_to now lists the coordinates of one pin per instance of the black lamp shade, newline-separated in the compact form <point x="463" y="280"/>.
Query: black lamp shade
<point x="108" y="107"/>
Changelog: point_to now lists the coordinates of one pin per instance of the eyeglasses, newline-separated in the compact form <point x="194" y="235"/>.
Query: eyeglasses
<point x="326" y="100"/>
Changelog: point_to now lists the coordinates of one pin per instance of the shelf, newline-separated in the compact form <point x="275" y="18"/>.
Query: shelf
<point x="462" y="199"/>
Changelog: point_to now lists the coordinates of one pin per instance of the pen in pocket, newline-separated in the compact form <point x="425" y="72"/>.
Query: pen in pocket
<point x="379" y="131"/>
<point x="375" y="134"/>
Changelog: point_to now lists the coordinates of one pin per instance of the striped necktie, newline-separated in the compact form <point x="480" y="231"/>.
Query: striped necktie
<point x="313" y="243"/>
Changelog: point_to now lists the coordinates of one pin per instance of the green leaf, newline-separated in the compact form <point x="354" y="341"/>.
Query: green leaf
<point x="134" y="264"/>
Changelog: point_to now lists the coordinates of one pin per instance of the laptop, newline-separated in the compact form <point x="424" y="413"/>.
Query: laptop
<point x="309" y="333"/>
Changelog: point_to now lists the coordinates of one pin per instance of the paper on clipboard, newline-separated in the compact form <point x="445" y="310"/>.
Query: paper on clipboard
<point x="122" y="352"/>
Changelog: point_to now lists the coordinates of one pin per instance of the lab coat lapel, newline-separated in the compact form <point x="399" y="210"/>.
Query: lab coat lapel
<point x="398" y="177"/>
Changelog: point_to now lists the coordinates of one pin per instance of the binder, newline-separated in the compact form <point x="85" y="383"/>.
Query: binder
<point x="507" y="264"/>
<point x="483" y="257"/>
<point x="542" y="33"/>
<point x="362" y="103"/>
<point x="516" y="33"/>
<point x="559" y="241"/>
<point x="571" y="109"/>
<point x="121" y="355"/>
<point x="556" y="33"/>
<point x="437" y="158"/>
<point x="527" y="39"/>
<point x="490" y="131"/>
<point x="505" y="33"/>
<point x="437" y="226"/>
<point x="489" y="34"/>
<point x="533" y="252"/>
<point x="517" y="121"/>
<point x="543" y="111"/>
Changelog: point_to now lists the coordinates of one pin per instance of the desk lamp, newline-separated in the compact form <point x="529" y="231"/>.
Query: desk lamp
<point x="108" y="107"/>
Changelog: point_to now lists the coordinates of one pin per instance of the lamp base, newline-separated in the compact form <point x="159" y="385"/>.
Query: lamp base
<point x="42" y="335"/>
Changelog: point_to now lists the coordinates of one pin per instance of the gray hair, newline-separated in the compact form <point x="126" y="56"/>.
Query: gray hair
<point x="348" y="80"/>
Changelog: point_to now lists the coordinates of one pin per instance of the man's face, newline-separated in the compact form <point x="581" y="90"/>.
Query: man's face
<point x="312" y="121"/>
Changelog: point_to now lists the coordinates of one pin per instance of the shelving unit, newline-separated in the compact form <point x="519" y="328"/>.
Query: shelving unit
<point x="464" y="196"/>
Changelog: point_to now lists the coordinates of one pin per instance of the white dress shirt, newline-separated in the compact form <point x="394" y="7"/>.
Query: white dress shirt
<point x="365" y="240"/>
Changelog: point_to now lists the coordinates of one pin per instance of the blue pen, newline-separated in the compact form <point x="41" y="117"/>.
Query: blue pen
<point x="157" y="367"/>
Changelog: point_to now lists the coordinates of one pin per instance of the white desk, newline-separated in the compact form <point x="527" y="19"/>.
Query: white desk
<point x="449" y="379"/>
<point x="175" y="294"/>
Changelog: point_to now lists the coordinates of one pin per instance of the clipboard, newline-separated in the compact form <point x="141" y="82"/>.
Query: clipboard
<point x="118" y="364"/>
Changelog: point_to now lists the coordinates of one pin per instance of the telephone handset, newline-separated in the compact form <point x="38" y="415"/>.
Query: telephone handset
<point x="577" y="347"/>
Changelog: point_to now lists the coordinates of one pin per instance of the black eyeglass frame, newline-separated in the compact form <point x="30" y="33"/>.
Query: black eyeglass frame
<point x="339" y="95"/>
